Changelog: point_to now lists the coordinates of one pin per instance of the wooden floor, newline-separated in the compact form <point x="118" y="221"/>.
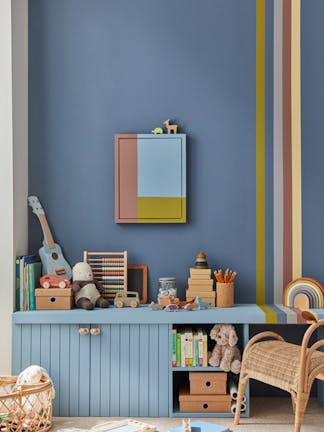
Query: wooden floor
<point x="267" y="415"/>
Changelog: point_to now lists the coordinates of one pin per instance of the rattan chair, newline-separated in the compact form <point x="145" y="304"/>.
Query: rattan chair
<point x="284" y="365"/>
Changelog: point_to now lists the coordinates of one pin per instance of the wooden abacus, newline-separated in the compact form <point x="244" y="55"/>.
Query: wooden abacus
<point x="109" y="268"/>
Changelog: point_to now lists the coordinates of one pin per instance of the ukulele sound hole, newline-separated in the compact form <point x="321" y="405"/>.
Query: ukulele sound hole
<point x="53" y="299"/>
<point x="54" y="255"/>
<point x="205" y="406"/>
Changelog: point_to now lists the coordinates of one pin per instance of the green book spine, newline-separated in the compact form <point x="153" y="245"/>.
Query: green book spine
<point x="31" y="286"/>
<point x="178" y="352"/>
<point x="17" y="283"/>
<point x="174" y="347"/>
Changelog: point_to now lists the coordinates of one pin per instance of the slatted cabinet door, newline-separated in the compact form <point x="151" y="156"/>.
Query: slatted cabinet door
<point x="123" y="371"/>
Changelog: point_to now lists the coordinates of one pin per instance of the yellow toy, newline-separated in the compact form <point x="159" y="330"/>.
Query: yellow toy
<point x="170" y="128"/>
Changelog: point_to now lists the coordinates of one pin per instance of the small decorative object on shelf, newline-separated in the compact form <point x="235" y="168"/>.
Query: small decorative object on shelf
<point x="170" y="128"/>
<point x="304" y="293"/>
<point x="157" y="130"/>
<point x="50" y="253"/>
<point x="155" y="306"/>
<point x="167" y="290"/>
<point x="225" y="353"/>
<point x="172" y="307"/>
<point x="87" y="290"/>
<point x="201" y="305"/>
<point x="225" y="287"/>
<point x="51" y="280"/>
<point x="54" y="298"/>
<point x="201" y="261"/>
<point x="127" y="298"/>
<point x="109" y="268"/>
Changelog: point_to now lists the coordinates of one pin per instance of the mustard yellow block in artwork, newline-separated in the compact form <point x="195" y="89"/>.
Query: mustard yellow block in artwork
<point x="161" y="209"/>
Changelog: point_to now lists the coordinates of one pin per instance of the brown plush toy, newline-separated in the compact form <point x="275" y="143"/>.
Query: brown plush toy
<point x="225" y="353"/>
<point x="87" y="291"/>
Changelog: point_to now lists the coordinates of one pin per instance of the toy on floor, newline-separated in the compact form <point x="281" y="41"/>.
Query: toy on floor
<point x="87" y="290"/>
<point x="225" y="353"/>
<point x="128" y="425"/>
<point x="170" y="128"/>
<point x="186" y="425"/>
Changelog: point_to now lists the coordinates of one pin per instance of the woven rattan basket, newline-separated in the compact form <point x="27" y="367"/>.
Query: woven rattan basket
<point x="27" y="408"/>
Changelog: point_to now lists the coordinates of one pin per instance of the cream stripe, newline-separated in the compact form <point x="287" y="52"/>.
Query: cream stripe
<point x="277" y="155"/>
<point x="291" y="315"/>
<point x="296" y="141"/>
<point x="260" y="151"/>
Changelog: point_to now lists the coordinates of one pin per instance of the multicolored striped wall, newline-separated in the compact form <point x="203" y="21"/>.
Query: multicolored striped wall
<point x="284" y="46"/>
<point x="229" y="74"/>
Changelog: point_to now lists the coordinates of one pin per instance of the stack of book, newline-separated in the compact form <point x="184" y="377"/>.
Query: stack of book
<point x="28" y="273"/>
<point x="189" y="348"/>
<point x="201" y="284"/>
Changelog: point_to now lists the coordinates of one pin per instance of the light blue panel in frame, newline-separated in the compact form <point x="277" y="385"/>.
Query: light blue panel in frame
<point x="16" y="349"/>
<point x="125" y="370"/>
<point x="115" y="370"/>
<point x="159" y="167"/>
<point x="45" y="341"/>
<point x="74" y="371"/>
<point x="164" y="360"/>
<point x="134" y="385"/>
<point x="95" y="373"/>
<point x="154" y="370"/>
<point x="105" y="370"/>
<point x="144" y="368"/>
<point x="36" y="345"/>
<point x="55" y="365"/>
<point x="84" y="374"/>
<point x="64" y="370"/>
<point x="25" y="346"/>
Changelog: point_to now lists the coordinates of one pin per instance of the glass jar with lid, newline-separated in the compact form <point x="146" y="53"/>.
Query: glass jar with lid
<point x="167" y="287"/>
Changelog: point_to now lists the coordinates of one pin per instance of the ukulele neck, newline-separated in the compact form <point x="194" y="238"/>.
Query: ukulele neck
<point x="46" y="231"/>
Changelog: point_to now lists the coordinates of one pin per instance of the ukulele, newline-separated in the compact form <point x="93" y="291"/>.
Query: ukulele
<point x="53" y="261"/>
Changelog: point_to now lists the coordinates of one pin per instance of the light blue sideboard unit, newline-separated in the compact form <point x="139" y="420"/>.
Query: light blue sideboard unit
<point x="123" y="371"/>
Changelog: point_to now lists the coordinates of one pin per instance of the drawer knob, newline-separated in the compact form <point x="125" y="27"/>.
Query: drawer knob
<point x="95" y="331"/>
<point x="205" y="406"/>
<point x="83" y="331"/>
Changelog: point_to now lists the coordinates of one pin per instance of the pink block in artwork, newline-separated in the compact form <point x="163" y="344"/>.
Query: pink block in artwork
<point x="126" y="177"/>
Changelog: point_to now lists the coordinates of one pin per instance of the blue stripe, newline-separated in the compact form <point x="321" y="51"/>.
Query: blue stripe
<point x="281" y="316"/>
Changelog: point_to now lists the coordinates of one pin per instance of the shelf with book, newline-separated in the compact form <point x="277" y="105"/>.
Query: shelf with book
<point x="180" y="374"/>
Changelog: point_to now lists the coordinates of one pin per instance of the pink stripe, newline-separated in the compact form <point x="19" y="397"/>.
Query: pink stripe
<point x="126" y="177"/>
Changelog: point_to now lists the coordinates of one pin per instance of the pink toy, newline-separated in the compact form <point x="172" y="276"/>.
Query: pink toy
<point x="225" y="353"/>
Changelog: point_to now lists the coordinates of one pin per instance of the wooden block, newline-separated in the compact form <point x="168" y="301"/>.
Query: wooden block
<point x="54" y="299"/>
<point x="203" y="403"/>
<point x="201" y="294"/>
<point x="207" y="283"/>
<point x="208" y="383"/>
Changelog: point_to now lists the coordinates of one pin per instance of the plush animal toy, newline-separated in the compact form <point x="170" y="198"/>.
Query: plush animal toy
<point x="225" y="353"/>
<point x="87" y="291"/>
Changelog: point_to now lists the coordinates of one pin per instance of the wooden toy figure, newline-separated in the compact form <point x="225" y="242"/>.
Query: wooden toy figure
<point x="157" y="130"/>
<point x="170" y="128"/>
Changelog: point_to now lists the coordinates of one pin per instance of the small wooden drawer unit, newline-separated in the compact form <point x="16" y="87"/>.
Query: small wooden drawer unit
<point x="208" y="383"/>
<point x="203" y="403"/>
<point x="54" y="298"/>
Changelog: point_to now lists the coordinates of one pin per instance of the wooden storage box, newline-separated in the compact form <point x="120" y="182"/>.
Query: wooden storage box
<point x="203" y="403"/>
<point x="207" y="383"/>
<point x="54" y="298"/>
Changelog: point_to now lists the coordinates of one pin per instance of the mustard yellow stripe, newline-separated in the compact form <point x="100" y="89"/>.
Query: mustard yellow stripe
<point x="296" y="141"/>
<point x="271" y="315"/>
<point x="260" y="151"/>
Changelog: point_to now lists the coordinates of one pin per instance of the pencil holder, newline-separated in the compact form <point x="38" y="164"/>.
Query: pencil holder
<point x="225" y="294"/>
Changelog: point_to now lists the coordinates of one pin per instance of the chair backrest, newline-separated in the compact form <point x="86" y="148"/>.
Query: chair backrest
<point x="306" y="353"/>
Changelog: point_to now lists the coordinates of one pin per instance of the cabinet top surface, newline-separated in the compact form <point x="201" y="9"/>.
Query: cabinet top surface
<point x="239" y="314"/>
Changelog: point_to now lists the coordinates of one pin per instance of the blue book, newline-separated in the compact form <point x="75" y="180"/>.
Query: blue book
<point x="34" y="271"/>
<point x="201" y="426"/>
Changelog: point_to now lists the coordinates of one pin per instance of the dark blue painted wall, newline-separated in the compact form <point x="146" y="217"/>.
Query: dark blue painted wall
<point x="101" y="67"/>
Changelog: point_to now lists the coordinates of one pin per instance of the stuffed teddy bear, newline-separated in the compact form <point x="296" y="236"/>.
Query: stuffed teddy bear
<point x="225" y="353"/>
<point x="87" y="291"/>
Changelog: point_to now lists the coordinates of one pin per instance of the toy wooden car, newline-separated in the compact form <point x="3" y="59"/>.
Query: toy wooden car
<point x="51" y="280"/>
<point x="127" y="298"/>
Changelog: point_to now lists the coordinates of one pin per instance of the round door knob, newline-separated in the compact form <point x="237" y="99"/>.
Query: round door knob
<point x="95" y="331"/>
<point x="83" y="331"/>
